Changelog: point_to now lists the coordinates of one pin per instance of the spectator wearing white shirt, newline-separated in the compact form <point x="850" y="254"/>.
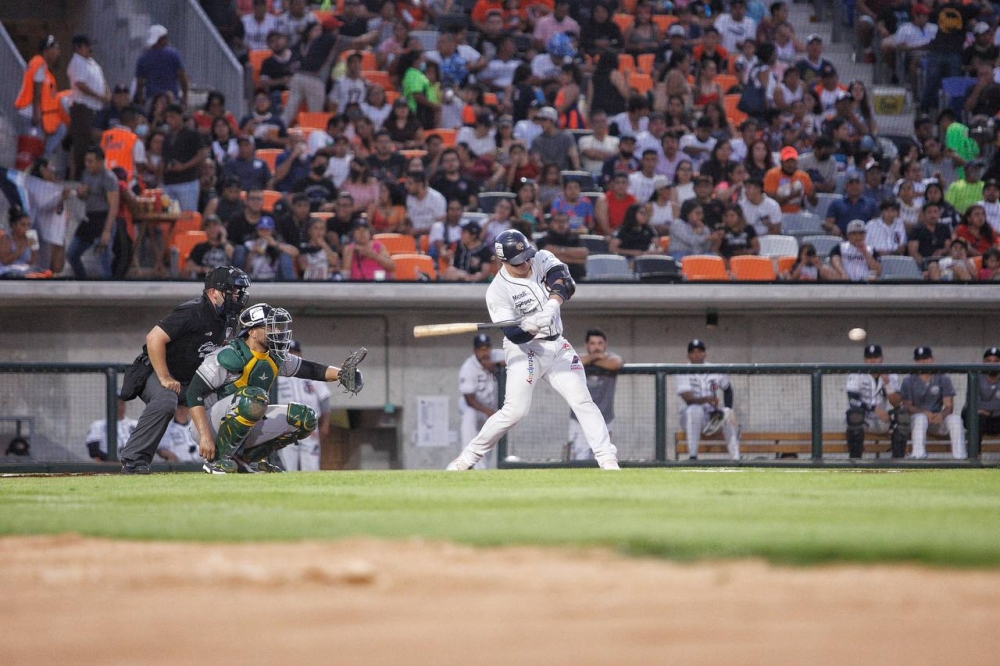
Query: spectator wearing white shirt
<point x="597" y="147"/>
<point x="339" y="167"/>
<point x="910" y="36"/>
<point x="735" y="27"/>
<point x="499" y="72"/>
<point x="886" y="234"/>
<point x="258" y="25"/>
<point x="350" y="88"/>
<point x="424" y="205"/>
<point x="651" y="138"/>
<point x="698" y="146"/>
<point x="642" y="183"/>
<point x="526" y="130"/>
<point x="761" y="211"/>
<point x="295" y="22"/>
<point x="481" y="137"/>
<point x="90" y="92"/>
<point x="990" y="204"/>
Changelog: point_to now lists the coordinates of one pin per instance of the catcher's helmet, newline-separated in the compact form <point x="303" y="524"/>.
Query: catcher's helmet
<point x="512" y="247"/>
<point x="233" y="283"/>
<point x="277" y="325"/>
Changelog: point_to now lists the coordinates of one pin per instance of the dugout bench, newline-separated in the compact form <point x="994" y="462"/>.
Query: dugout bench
<point x="795" y="443"/>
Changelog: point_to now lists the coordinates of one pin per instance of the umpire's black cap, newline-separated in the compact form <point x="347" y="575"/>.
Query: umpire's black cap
<point x="922" y="353"/>
<point x="481" y="340"/>
<point x="696" y="344"/>
<point x="992" y="351"/>
<point x="873" y="351"/>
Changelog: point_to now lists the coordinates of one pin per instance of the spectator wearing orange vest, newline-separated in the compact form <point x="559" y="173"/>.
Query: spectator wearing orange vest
<point x="36" y="103"/>
<point x="122" y="146"/>
<point x="89" y="92"/>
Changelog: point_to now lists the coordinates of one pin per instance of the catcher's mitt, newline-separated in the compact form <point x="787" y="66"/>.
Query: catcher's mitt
<point x="715" y="421"/>
<point x="350" y="377"/>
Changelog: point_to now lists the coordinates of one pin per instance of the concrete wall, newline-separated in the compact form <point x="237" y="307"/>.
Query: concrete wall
<point x="101" y="322"/>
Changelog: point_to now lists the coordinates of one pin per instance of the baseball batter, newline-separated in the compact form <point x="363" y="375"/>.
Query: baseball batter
<point x="238" y="428"/>
<point x="601" y="368"/>
<point x="930" y="401"/>
<point x="700" y="413"/>
<point x="871" y="398"/>
<point x="477" y="383"/>
<point x="304" y="454"/>
<point x="530" y="287"/>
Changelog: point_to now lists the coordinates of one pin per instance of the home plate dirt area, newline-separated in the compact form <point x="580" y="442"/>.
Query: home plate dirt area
<point x="74" y="600"/>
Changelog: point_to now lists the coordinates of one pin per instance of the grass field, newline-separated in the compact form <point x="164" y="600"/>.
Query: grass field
<point x="938" y="517"/>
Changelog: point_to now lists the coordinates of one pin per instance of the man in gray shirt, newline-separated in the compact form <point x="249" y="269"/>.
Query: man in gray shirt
<point x="601" y="368"/>
<point x="99" y="191"/>
<point x="989" y="397"/>
<point x="930" y="401"/>
<point x="820" y="165"/>
<point x="554" y="145"/>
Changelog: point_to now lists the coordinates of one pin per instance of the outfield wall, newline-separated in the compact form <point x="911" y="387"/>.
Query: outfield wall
<point x="105" y="322"/>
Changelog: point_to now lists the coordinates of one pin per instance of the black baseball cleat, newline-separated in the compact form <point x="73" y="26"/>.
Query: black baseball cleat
<point x="135" y="468"/>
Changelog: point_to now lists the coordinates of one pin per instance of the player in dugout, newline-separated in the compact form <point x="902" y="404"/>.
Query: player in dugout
<point x="238" y="427"/>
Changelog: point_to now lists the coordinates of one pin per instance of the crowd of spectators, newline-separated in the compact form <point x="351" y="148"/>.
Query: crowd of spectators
<point x="697" y="129"/>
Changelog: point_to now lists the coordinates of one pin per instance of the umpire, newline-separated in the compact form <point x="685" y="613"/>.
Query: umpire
<point x="173" y="351"/>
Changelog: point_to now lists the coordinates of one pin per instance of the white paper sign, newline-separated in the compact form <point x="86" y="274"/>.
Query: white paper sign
<point x="432" y="420"/>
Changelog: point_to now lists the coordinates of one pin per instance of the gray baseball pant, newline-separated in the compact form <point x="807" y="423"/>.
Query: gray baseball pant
<point x="160" y="407"/>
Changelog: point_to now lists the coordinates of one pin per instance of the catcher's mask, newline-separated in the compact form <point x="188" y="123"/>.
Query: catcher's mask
<point x="277" y="325"/>
<point x="233" y="283"/>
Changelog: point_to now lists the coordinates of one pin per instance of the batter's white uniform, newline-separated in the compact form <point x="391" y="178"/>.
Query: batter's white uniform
<point x="303" y="456"/>
<point x="695" y="417"/>
<point x="547" y="356"/>
<point x="474" y="378"/>
<point x="178" y="440"/>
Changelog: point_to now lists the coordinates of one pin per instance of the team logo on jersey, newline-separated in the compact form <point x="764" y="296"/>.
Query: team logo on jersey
<point x="531" y="367"/>
<point x="308" y="387"/>
<point x="575" y="364"/>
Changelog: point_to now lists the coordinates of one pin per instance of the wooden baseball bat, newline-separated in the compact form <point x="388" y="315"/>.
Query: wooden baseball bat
<point x="431" y="330"/>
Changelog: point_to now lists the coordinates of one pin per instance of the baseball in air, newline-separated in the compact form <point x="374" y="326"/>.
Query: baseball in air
<point x="857" y="334"/>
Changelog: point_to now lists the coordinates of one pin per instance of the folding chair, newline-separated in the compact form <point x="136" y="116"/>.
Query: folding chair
<point x="896" y="268"/>
<point x="823" y="244"/>
<point x="726" y="81"/>
<point x="414" y="268"/>
<point x="752" y="269"/>
<point x="377" y="77"/>
<point x="656" y="269"/>
<point x="953" y="93"/>
<point x="774" y="245"/>
<point x="608" y="267"/>
<point x="785" y="264"/>
<point x="595" y="244"/>
<point x="626" y="63"/>
<point x="447" y="136"/>
<point x="704" y="268"/>
<point x="645" y="62"/>
<point x="823" y="203"/>
<point x="664" y="21"/>
<point x="428" y="38"/>
<point x="271" y="197"/>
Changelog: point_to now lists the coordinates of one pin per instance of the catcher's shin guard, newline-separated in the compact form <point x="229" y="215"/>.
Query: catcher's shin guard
<point x="300" y="417"/>
<point x="248" y="407"/>
<point x="900" y="432"/>
<point x="855" y="432"/>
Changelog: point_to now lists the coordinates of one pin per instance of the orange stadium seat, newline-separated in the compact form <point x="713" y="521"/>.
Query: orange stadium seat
<point x="447" y="135"/>
<point x="391" y="96"/>
<point x="410" y="266"/>
<point x="664" y="21"/>
<point x="749" y="268"/>
<point x="425" y="243"/>
<point x="189" y="221"/>
<point x="397" y="243"/>
<point x="269" y="155"/>
<point x="785" y="264"/>
<point x="322" y="215"/>
<point x="271" y="197"/>
<point x="628" y="6"/>
<point x="664" y="242"/>
<point x="726" y="81"/>
<point x="624" y="22"/>
<point x="644" y="63"/>
<point x="379" y="77"/>
<point x="704" y="267"/>
<point x="256" y="59"/>
<point x="626" y="63"/>
<point x="313" y="119"/>
<point x="491" y="99"/>
<point x="736" y="117"/>
<point x="643" y="83"/>
<point x="184" y="243"/>
<point x="410" y="154"/>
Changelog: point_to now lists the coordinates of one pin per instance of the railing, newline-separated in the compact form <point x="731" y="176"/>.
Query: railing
<point x="11" y="72"/>
<point x="807" y="399"/>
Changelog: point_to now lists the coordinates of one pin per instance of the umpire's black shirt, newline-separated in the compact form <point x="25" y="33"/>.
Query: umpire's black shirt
<point x="195" y="329"/>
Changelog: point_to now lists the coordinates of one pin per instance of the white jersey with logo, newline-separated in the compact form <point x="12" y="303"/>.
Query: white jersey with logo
<point x="308" y="392"/>
<point x="98" y="432"/>
<point x="180" y="440"/>
<point x="474" y="378"/>
<point x="702" y="385"/>
<point x="509" y="297"/>
<point x="872" y="391"/>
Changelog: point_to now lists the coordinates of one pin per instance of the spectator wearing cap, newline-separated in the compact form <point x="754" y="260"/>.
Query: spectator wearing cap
<point x="829" y="89"/>
<point x="913" y="35"/>
<point x="968" y="189"/>
<point x="875" y="188"/>
<point x="853" y="206"/>
<point x="761" y="211"/>
<point x="160" y="69"/>
<point x="886" y="234"/>
<point x="813" y="63"/>
<point x="108" y="116"/>
<point x="183" y="154"/>
<point x="735" y="27"/>
<point x="989" y="397"/>
<point x="249" y="171"/>
<point x="90" y="92"/>
<point x="365" y="259"/>
<point x="788" y="185"/>
<point x="929" y="398"/>
<point x="216" y="251"/>
<point x="939" y="164"/>
<point x="37" y="104"/>
<point x="853" y="260"/>
<point x="470" y="259"/>
<point x="982" y="50"/>
<point x="555" y="146"/>
<point x="698" y="146"/>
<point x="929" y="241"/>
<point x="269" y="257"/>
<point x="257" y="25"/>
<point x="676" y="42"/>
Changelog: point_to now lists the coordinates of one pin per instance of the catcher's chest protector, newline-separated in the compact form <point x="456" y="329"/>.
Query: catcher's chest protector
<point x="257" y="369"/>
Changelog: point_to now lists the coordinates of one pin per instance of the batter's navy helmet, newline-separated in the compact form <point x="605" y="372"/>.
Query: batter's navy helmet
<point x="512" y="247"/>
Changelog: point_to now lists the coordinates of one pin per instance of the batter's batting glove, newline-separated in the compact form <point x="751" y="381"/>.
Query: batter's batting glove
<point x="528" y="325"/>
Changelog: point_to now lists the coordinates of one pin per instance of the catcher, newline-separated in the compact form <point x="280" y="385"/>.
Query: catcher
<point x="237" y="426"/>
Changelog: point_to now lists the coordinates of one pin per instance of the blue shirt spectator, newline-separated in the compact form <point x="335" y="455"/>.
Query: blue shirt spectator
<point x="160" y="68"/>
<point x="854" y="206"/>
<point x="253" y="173"/>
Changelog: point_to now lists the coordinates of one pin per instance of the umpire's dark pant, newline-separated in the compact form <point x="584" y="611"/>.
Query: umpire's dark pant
<point x="160" y="407"/>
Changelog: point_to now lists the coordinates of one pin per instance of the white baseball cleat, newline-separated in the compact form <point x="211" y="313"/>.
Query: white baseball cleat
<point x="457" y="465"/>
<point x="610" y="464"/>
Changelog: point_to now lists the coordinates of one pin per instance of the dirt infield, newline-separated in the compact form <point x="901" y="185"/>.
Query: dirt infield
<point x="70" y="600"/>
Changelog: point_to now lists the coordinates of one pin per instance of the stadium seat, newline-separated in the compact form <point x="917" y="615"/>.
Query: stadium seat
<point x="953" y="92"/>
<point x="664" y="21"/>
<point x="726" y="81"/>
<point x="595" y="243"/>
<point x="785" y="264"/>
<point x="664" y="242"/>
<point x="313" y="119"/>
<point x="752" y="269"/>
<point x="729" y="103"/>
<point x="583" y="177"/>
<point x="978" y="262"/>
<point x="256" y="58"/>
<point x="322" y="215"/>
<point x="645" y="62"/>
<point x="181" y="247"/>
<point x="608" y="267"/>
<point x="822" y="243"/>
<point x="391" y="96"/>
<point x="269" y="155"/>
<point x="774" y="245"/>
<point x="410" y="154"/>
<point x="447" y="136"/>
<point x="271" y="197"/>
<point x="704" y="268"/>
<point x="188" y="222"/>
<point x="823" y="203"/>
<point x="491" y="100"/>
<point x="397" y="243"/>
<point x="414" y="268"/>
<point x="801" y="224"/>
<point x="488" y="200"/>
<point x="626" y="63"/>
<point x="378" y="77"/>
<point x="643" y="83"/>
<point x="657" y="269"/>
<point x="900" y="268"/>
<point x="624" y="22"/>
